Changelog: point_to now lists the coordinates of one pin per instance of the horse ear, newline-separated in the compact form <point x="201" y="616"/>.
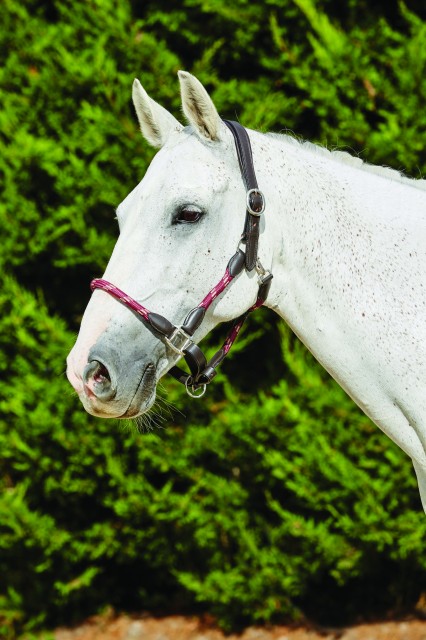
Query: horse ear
<point x="198" y="107"/>
<point x="156" y="122"/>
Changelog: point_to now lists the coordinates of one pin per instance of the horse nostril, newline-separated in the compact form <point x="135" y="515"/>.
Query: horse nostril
<point x="97" y="380"/>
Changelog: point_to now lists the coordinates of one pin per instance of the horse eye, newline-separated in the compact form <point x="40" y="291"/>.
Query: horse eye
<point x="188" y="214"/>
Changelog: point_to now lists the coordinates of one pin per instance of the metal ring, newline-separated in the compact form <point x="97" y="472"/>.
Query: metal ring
<point x="249" y="209"/>
<point x="240" y="242"/>
<point x="193" y="393"/>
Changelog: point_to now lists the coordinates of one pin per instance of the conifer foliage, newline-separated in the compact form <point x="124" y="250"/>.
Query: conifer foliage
<point x="275" y="498"/>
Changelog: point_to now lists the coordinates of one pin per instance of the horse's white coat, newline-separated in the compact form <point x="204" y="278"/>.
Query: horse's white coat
<point x="346" y="243"/>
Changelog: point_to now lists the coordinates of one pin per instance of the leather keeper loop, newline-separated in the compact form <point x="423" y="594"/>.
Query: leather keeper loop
<point x="193" y="320"/>
<point x="206" y="376"/>
<point x="236" y="263"/>
<point x="161" y="324"/>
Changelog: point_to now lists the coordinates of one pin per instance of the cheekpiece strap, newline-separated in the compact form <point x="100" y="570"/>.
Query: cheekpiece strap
<point x="255" y="204"/>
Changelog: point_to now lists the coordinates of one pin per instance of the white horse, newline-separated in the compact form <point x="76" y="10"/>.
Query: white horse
<point x="346" y="243"/>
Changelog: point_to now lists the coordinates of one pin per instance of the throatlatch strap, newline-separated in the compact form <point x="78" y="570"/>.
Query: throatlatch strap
<point x="245" y="159"/>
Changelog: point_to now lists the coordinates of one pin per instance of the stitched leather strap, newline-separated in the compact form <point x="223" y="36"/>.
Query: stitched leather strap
<point x="244" y="152"/>
<point x="245" y="159"/>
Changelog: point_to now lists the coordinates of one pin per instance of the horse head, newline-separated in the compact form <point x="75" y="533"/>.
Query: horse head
<point x="178" y="228"/>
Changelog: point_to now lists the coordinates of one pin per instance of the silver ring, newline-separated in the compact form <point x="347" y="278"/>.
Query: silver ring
<point x="193" y="393"/>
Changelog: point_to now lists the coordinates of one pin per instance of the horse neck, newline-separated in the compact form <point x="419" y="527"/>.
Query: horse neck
<point x="301" y="222"/>
<point x="327" y="221"/>
<point x="349" y="262"/>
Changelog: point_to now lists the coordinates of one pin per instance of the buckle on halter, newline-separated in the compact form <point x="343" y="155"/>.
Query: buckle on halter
<point x="178" y="341"/>
<point x="264" y="279"/>
<point x="255" y="202"/>
<point x="262" y="273"/>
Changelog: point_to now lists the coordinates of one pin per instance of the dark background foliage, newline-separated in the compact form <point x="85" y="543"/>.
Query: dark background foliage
<point x="276" y="497"/>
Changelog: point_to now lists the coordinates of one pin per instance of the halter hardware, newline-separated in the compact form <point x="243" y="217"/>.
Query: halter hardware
<point x="179" y="341"/>
<point x="191" y="390"/>
<point x="178" y="338"/>
<point x="255" y="202"/>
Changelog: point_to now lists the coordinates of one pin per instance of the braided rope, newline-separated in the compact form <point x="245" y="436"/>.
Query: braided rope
<point x="104" y="285"/>
<point x="117" y="293"/>
<point x="216" y="290"/>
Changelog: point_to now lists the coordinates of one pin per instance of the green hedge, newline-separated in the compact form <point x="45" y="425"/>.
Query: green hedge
<point x="274" y="498"/>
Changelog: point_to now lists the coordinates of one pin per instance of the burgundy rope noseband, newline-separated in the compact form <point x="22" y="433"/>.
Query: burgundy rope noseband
<point x="179" y="338"/>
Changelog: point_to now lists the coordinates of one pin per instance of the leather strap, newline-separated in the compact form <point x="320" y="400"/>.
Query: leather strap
<point x="244" y="152"/>
<point x="245" y="159"/>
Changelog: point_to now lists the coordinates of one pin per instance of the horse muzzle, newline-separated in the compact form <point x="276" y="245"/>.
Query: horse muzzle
<point x="108" y="392"/>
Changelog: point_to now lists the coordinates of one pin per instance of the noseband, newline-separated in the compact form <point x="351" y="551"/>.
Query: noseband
<point x="179" y="338"/>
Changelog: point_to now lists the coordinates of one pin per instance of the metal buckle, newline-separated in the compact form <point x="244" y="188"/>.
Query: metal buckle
<point x="264" y="277"/>
<point x="262" y="273"/>
<point x="259" y="193"/>
<point x="178" y="341"/>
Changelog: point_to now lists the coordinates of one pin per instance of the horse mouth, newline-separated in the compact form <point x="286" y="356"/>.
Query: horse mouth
<point x="144" y="395"/>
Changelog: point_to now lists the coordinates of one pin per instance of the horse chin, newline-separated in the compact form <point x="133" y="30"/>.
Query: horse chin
<point x="146" y="391"/>
<point x="144" y="396"/>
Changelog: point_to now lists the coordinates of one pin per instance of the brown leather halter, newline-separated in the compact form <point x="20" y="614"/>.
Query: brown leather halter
<point x="179" y="338"/>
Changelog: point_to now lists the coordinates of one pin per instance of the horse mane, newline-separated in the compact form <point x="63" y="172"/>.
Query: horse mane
<point x="346" y="158"/>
